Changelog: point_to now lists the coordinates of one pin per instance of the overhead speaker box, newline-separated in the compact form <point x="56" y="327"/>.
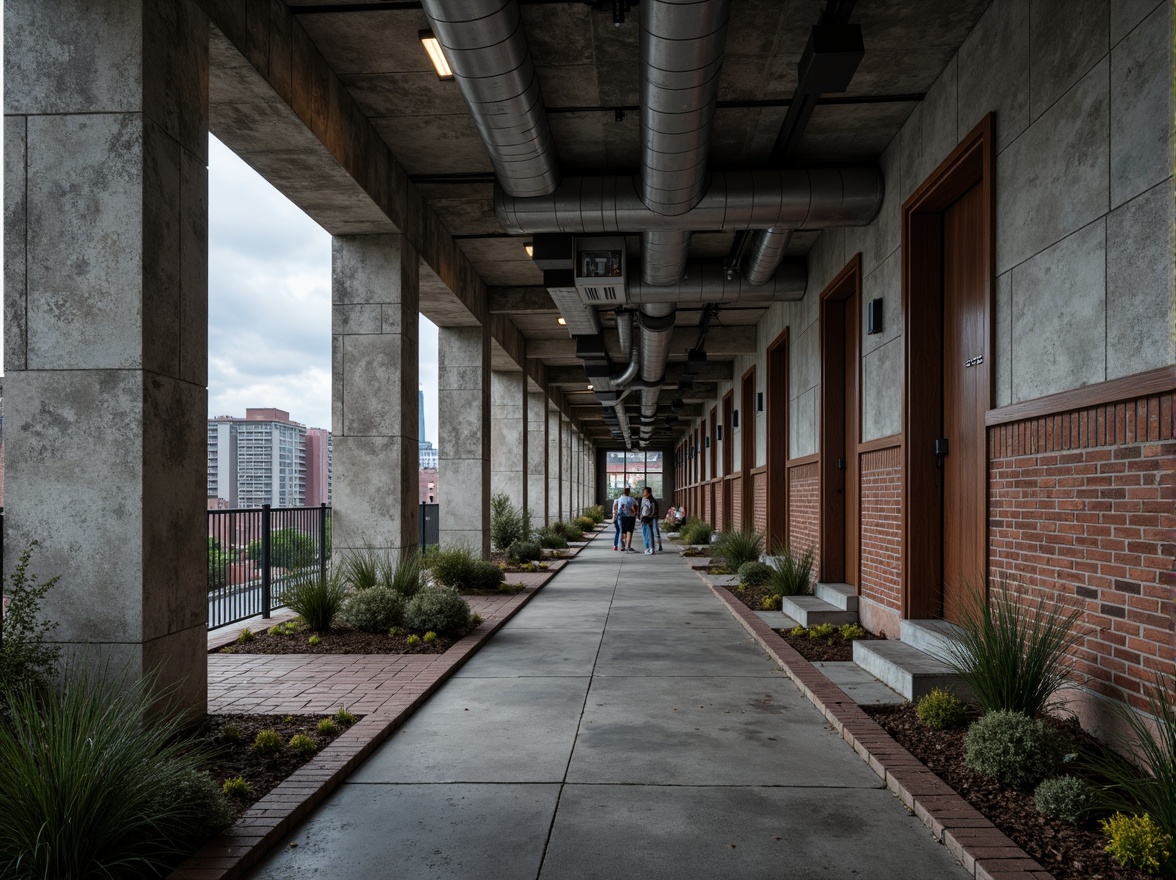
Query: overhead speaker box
<point x="695" y="360"/>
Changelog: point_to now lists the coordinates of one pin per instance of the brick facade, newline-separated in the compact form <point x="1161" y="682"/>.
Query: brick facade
<point x="1081" y="507"/>
<point x="759" y="491"/>
<point x="737" y="502"/>
<point x="804" y="510"/>
<point x="880" y="497"/>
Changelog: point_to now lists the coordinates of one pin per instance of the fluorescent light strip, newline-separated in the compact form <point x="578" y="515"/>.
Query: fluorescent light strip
<point x="433" y="48"/>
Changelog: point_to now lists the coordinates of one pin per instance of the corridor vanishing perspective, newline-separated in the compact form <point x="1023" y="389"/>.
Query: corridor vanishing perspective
<point x="623" y="724"/>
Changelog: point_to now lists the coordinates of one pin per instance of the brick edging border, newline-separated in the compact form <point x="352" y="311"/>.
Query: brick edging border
<point x="259" y="829"/>
<point x="983" y="849"/>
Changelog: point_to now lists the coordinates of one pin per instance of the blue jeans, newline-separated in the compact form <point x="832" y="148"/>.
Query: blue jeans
<point x="617" y="535"/>
<point x="647" y="535"/>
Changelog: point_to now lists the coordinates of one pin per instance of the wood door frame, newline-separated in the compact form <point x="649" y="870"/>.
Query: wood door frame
<point x="833" y="441"/>
<point x="970" y="164"/>
<point x="727" y="460"/>
<point x="747" y="447"/>
<point x="776" y="393"/>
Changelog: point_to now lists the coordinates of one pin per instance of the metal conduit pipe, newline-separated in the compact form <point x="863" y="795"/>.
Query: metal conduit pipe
<point x="682" y="45"/>
<point x="623" y="424"/>
<point x="657" y="325"/>
<point x="767" y="252"/>
<point x="814" y="198"/>
<point x="487" y="50"/>
<point x="710" y="284"/>
<point x="628" y="340"/>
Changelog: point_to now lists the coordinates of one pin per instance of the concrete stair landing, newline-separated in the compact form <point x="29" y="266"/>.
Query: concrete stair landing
<point x="830" y="603"/>
<point x="915" y="664"/>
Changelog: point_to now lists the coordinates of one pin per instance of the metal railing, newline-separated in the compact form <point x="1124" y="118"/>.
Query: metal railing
<point x="255" y="554"/>
<point x="430" y="524"/>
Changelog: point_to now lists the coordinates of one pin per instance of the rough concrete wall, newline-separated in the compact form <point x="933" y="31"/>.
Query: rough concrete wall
<point x="507" y="435"/>
<point x="537" y="457"/>
<point x="463" y="411"/>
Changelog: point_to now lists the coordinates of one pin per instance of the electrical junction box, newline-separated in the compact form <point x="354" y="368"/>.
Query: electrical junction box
<point x="600" y="269"/>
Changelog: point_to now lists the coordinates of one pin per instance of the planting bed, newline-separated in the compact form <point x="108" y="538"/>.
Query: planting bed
<point x="831" y="649"/>
<point x="1067" y="852"/>
<point x="340" y="640"/>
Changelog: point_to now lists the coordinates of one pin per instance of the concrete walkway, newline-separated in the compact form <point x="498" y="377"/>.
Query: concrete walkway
<point x="621" y="725"/>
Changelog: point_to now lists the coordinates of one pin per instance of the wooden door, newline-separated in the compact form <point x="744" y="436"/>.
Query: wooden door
<point x="728" y="461"/>
<point x="964" y="391"/>
<point x="853" y="320"/>
<point x="777" y="393"/>
<point x="747" y="425"/>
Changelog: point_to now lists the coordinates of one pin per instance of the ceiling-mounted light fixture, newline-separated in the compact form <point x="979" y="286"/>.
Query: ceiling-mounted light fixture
<point x="562" y="321"/>
<point x="433" y="48"/>
<point x="529" y="247"/>
<point x="589" y="387"/>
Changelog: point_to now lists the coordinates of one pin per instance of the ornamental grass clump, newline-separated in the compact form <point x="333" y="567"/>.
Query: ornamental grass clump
<point x="1014" y="654"/>
<point x="1138" y="842"/>
<point x="441" y="609"/>
<point x="363" y="568"/>
<point x="792" y="574"/>
<point x="1067" y="798"/>
<point x="754" y="573"/>
<point x="550" y="539"/>
<point x="1011" y="747"/>
<point x="375" y="610"/>
<point x="326" y="727"/>
<point x="733" y="549"/>
<point x="942" y="710"/>
<point x="695" y="531"/>
<point x="343" y="717"/>
<point x="89" y="788"/>
<point x="316" y="598"/>
<point x="408" y="575"/>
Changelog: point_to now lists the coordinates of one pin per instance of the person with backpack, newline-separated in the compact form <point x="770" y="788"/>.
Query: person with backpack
<point x="627" y="512"/>
<point x="649" y="514"/>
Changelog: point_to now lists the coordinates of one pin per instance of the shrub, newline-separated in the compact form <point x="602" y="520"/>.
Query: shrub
<point x="792" y="574"/>
<point x="314" y="640"/>
<point x="362" y="568"/>
<point x="326" y="727"/>
<point x="1066" y="798"/>
<point x="1012" y="655"/>
<point x="206" y="802"/>
<point x="316" y="598"/>
<point x="374" y="610"/>
<point x="550" y="539"/>
<point x="231" y="733"/>
<point x="507" y="523"/>
<point x="267" y="742"/>
<point x="1015" y="749"/>
<point x="852" y="631"/>
<point x="942" y="710"/>
<point x="90" y="789"/>
<point x="430" y="637"/>
<point x="585" y="523"/>
<point x="289" y="548"/>
<point x="454" y="566"/>
<point x="523" y="551"/>
<point x="302" y="744"/>
<point x="1137" y="842"/>
<point x="736" y="548"/>
<point x="595" y="513"/>
<point x="485" y="577"/>
<point x="236" y="786"/>
<point x="218" y="564"/>
<point x="821" y="630"/>
<point x="573" y="532"/>
<point x="695" y="531"/>
<point x="770" y="603"/>
<point x="441" y="609"/>
<point x="245" y="636"/>
<point x="413" y="640"/>
<point x="754" y="574"/>
<point x="343" y="717"/>
<point x="24" y="654"/>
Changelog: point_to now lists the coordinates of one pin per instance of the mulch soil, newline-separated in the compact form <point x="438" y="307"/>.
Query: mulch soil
<point x="341" y="640"/>
<point x="262" y="772"/>
<point x="832" y="649"/>
<point x="1066" y="851"/>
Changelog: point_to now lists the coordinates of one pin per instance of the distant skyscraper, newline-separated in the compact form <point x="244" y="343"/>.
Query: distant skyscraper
<point x="427" y="452"/>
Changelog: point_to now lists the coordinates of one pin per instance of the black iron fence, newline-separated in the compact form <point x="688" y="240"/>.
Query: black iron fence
<point x="254" y="555"/>
<point x="430" y="524"/>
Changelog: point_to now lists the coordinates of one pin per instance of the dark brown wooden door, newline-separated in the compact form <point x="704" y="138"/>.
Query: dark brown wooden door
<point x="964" y="389"/>
<point x="728" y="461"/>
<point x="777" y="393"/>
<point x="853" y="320"/>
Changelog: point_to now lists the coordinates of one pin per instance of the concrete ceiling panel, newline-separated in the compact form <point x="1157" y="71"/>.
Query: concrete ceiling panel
<point x="434" y="144"/>
<point x="569" y="85"/>
<point x="414" y="93"/>
<point x="381" y="41"/>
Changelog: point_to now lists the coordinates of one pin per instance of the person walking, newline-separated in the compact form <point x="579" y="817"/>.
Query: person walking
<point x="648" y="519"/>
<point x="616" y="523"/>
<point x="627" y="514"/>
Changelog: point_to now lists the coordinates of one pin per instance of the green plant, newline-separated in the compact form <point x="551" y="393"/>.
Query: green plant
<point x="326" y="727"/>
<point x="1137" y="842"/>
<point x="218" y="564"/>
<point x="454" y="566"/>
<point x="485" y="576"/>
<point x="736" y="548"/>
<point x="374" y="610"/>
<point x="942" y="710"/>
<point x="507" y="523"/>
<point x="1066" y="798"/>
<point x="792" y="574"/>
<point x="852" y="631"/>
<point x="206" y="801"/>
<point x="441" y="609"/>
<point x="585" y="523"/>
<point x="1011" y="747"/>
<point x="409" y="574"/>
<point x="287" y="719"/>
<point x="343" y="717"/>
<point x="413" y="640"/>
<point x="573" y="532"/>
<point x="1141" y="770"/>
<point x="285" y="630"/>
<point x="798" y="632"/>
<point x="523" y="551"/>
<point x="303" y="744"/>
<point x="695" y="531"/>
<point x="236" y="786"/>
<point x="314" y="640"/>
<point x="362" y="568"/>
<point x="821" y="631"/>
<point x="754" y="573"/>
<point x="770" y="603"/>
<point x="430" y="637"/>
<point x="231" y="733"/>
<point x="595" y="513"/>
<point x="1013" y="655"/>
<point x="551" y="539"/>
<point x="92" y="783"/>
<point x="24" y="654"/>
<point x="316" y="598"/>
<point x="289" y="549"/>
<point x="267" y="742"/>
<point x="245" y="636"/>
<point x="395" y="630"/>
<point x="475" y="619"/>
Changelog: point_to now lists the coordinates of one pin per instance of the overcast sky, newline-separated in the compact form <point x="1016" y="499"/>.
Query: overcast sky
<point x="269" y="302"/>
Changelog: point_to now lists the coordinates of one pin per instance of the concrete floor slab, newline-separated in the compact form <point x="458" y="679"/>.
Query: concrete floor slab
<point x="426" y="832"/>
<point x="655" y="832"/>
<point x="518" y="653"/>
<point x="709" y="731"/>
<point x="858" y="684"/>
<point x="520" y="730"/>
<point x="684" y="651"/>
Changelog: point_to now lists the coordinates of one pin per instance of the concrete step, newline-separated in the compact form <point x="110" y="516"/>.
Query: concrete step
<point x="810" y="611"/>
<point x="934" y="637"/>
<point x="906" y="669"/>
<point x="841" y="595"/>
<point x="777" y="619"/>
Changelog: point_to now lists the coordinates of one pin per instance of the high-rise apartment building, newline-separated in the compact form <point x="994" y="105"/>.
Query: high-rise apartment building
<point x="318" y="466"/>
<point x="260" y="459"/>
<point x="427" y="451"/>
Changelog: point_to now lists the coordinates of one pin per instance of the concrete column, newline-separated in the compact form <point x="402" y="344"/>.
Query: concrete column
<point x="508" y="435"/>
<point x="106" y="312"/>
<point x="554" y="465"/>
<point x="375" y="295"/>
<point x="537" y="457"/>
<point x="463" y="415"/>
<point x="565" y="470"/>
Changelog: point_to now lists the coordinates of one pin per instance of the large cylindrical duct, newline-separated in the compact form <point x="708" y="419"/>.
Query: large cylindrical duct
<point x="767" y="252"/>
<point x="711" y="284"/>
<point x="657" y="325"/>
<point x="628" y="341"/>
<point x="663" y="255"/>
<point x="487" y="50"/>
<point x="815" y="198"/>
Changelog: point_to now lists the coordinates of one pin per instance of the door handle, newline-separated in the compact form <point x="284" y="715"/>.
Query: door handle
<point x="841" y="464"/>
<point x="940" y="451"/>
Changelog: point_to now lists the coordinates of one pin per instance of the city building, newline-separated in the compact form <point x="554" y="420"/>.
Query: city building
<point x="427" y="451"/>
<point x="430" y="486"/>
<point x="318" y="466"/>
<point x="260" y="459"/>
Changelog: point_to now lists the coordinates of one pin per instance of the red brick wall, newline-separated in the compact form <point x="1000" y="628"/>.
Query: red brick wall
<point x="759" y="489"/>
<point x="1081" y="507"/>
<point x="881" y="526"/>
<point x="708" y="512"/>
<point x="718" y="488"/>
<point x="803" y="513"/>
<point x="737" y="502"/>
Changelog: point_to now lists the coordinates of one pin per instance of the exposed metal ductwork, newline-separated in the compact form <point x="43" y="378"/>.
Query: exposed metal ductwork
<point x="663" y="255"/>
<point x="487" y="50"/>
<point x="767" y="252"/>
<point x="710" y="284"/>
<point x="815" y="198"/>
<point x="628" y="341"/>
<point x="657" y="325"/>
